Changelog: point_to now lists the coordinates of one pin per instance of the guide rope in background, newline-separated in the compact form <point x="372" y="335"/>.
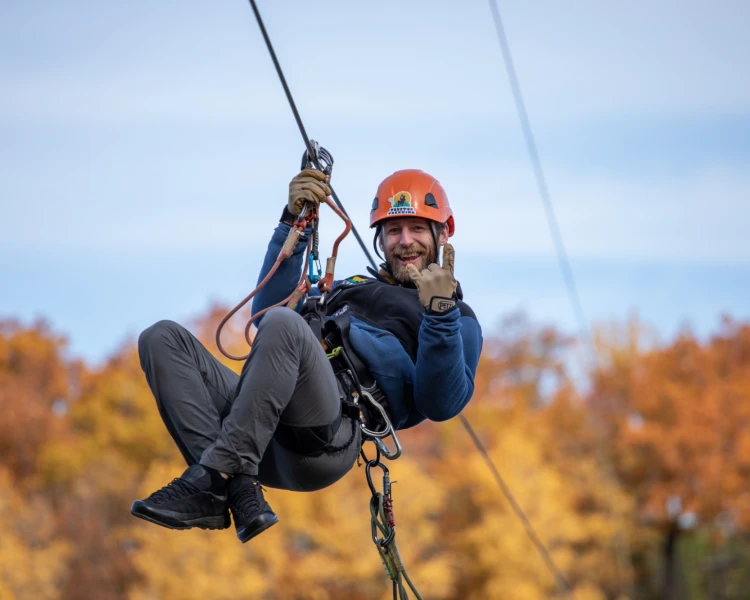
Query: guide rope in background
<point x="541" y="180"/>
<point x="621" y="543"/>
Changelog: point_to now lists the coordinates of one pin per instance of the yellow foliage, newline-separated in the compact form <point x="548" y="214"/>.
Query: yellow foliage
<point x="32" y="561"/>
<point x="574" y="511"/>
<point x="65" y="529"/>
<point x="190" y="565"/>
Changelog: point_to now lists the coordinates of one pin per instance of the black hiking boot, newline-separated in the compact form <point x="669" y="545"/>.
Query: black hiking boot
<point x="196" y="499"/>
<point x="252" y="514"/>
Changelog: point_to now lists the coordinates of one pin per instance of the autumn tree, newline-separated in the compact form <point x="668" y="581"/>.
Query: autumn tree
<point x="678" y="419"/>
<point x="80" y="443"/>
<point x="524" y="400"/>
<point x="36" y="385"/>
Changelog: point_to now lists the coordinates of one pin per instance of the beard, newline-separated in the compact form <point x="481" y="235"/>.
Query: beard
<point x="400" y="273"/>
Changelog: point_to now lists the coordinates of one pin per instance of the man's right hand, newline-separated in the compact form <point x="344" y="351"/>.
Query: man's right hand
<point x="308" y="186"/>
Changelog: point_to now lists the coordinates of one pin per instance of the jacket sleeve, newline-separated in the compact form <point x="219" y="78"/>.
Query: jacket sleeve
<point x="447" y="360"/>
<point x="287" y="275"/>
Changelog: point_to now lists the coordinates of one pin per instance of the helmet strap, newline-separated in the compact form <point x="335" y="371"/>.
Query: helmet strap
<point x="433" y="229"/>
<point x="378" y="231"/>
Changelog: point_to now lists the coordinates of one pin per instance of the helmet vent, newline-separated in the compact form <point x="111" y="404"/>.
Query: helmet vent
<point x="374" y="204"/>
<point x="429" y="200"/>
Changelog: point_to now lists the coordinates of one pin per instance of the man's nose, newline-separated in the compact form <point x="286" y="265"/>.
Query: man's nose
<point x="406" y="237"/>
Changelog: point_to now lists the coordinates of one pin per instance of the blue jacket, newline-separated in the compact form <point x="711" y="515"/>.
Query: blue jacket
<point x="424" y="364"/>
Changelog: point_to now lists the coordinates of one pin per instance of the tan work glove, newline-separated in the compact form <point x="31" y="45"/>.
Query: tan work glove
<point x="307" y="186"/>
<point x="436" y="285"/>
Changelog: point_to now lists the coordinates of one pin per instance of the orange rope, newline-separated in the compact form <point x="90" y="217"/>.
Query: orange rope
<point x="303" y="286"/>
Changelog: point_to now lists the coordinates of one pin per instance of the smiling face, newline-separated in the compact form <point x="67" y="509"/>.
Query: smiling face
<point x="408" y="240"/>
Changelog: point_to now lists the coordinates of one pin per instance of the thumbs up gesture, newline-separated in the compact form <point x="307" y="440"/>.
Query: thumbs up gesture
<point x="436" y="285"/>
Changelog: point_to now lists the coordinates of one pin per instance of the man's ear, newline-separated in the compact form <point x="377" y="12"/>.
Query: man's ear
<point x="380" y="242"/>
<point x="443" y="239"/>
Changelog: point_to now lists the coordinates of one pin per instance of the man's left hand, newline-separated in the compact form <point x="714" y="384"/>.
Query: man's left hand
<point x="436" y="285"/>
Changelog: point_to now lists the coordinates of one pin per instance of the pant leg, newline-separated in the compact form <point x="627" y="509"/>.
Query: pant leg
<point x="193" y="390"/>
<point x="287" y="379"/>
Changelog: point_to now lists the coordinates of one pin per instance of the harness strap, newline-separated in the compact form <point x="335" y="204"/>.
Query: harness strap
<point x="308" y="440"/>
<point x="314" y="313"/>
<point x="349" y="364"/>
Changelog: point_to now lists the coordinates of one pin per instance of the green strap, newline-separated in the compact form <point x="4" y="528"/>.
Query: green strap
<point x="335" y="352"/>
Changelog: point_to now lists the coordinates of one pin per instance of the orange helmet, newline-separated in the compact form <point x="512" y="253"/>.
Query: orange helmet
<point x="412" y="193"/>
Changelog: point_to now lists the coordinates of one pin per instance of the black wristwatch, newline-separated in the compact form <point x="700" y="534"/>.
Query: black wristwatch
<point x="288" y="217"/>
<point x="440" y="305"/>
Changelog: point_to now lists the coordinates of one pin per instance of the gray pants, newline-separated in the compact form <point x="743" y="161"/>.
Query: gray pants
<point x="228" y="421"/>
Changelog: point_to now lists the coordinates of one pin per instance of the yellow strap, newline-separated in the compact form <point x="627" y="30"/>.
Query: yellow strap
<point x="335" y="352"/>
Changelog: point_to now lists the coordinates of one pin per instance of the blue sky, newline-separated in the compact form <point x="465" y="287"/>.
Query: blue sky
<point x="146" y="148"/>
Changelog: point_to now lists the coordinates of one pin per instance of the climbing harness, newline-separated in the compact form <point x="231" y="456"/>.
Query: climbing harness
<point x="357" y="386"/>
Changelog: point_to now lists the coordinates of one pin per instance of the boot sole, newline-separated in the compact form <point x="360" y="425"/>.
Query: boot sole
<point x="143" y="511"/>
<point x="257" y="526"/>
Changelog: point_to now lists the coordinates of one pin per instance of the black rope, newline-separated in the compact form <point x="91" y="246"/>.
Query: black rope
<point x="301" y="126"/>
<point x="541" y="181"/>
<point x="584" y="329"/>
<point x="561" y="581"/>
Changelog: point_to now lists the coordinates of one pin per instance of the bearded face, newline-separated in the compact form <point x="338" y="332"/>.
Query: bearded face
<point x="408" y="241"/>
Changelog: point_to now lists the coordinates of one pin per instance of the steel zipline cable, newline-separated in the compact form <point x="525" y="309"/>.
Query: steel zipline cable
<point x="559" y="577"/>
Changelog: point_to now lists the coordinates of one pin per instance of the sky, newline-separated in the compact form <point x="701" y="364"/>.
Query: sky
<point x="146" y="150"/>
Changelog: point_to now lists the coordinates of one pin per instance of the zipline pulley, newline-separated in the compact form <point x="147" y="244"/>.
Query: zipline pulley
<point x="319" y="158"/>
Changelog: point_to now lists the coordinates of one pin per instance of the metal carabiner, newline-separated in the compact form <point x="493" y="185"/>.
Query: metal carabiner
<point x="369" y="465"/>
<point x="388" y="427"/>
<point x="377" y="436"/>
<point x="385" y="498"/>
<point x="313" y="263"/>
<point x="380" y="444"/>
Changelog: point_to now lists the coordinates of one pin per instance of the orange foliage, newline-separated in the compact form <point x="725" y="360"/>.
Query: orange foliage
<point x="79" y="444"/>
<point x="678" y="418"/>
<point x="36" y="384"/>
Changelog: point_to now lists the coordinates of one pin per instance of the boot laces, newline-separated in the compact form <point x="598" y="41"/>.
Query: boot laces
<point x="176" y="489"/>
<point x="248" y="499"/>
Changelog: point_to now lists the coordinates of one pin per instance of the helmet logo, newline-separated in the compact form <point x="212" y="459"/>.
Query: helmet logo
<point x="400" y="205"/>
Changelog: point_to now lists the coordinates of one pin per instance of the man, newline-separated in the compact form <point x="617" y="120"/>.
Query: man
<point x="280" y="422"/>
